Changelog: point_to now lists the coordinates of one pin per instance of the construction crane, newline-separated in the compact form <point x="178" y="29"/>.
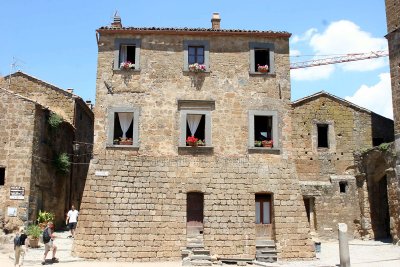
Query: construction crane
<point x="338" y="59"/>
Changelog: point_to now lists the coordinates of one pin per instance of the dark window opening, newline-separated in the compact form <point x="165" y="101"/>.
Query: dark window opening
<point x="263" y="128"/>
<point x="196" y="54"/>
<point x="376" y="141"/>
<point x="118" y="134"/>
<point x="307" y="205"/>
<point x="261" y="57"/>
<point x="127" y="53"/>
<point x="201" y="129"/>
<point x="2" y="175"/>
<point x="263" y="209"/>
<point x="323" y="135"/>
<point x="342" y="187"/>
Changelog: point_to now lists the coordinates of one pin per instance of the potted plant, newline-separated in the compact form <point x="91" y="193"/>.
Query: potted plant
<point x="201" y="142"/>
<point x="125" y="141"/>
<point x="267" y="143"/>
<point x="126" y="65"/>
<point x="196" y="67"/>
<point x="262" y="68"/>
<point x="116" y="142"/>
<point x="44" y="217"/>
<point x="33" y="231"/>
<point x="257" y="143"/>
<point x="191" y="141"/>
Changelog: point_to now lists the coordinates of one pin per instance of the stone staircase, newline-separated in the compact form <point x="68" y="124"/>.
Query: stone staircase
<point x="266" y="251"/>
<point x="195" y="254"/>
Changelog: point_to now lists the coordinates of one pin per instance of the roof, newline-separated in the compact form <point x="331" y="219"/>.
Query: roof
<point x="344" y="102"/>
<point x="192" y="31"/>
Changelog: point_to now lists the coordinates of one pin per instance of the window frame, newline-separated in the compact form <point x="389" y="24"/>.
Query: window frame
<point x="205" y="44"/>
<point x="263" y="198"/>
<point x="275" y="131"/>
<point x="324" y="126"/>
<point x="110" y="124"/>
<point x="117" y="50"/>
<point x="267" y="46"/>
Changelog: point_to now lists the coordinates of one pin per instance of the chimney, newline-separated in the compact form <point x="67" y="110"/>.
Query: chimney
<point x="117" y="21"/>
<point x="70" y="90"/>
<point x="89" y="104"/>
<point x="216" y="21"/>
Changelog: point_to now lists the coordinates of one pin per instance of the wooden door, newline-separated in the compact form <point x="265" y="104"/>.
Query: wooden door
<point x="194" y="210"/>
<point x="264" y="224"/>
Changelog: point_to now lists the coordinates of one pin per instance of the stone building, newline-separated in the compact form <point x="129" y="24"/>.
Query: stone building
<point x="393" y="37"/>
<point x="150" y="193"/>
<point x="327" y="132"/>
<point x="45" y="187"/>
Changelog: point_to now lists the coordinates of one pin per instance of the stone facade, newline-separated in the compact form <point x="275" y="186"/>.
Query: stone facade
<point x="27" y="150"/>
<point x="135" y="201"/>
<point x="49" y="190"/>
<point x="393" y="37"/>
<point x="327" y="170"/>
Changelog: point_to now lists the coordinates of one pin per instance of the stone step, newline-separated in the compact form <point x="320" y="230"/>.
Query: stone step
<point x="201" y="263"/>
<point x="266" y="250"/>
<point x="266" y="254"/>
<point x="201" y="252"/>
<point x="192" y="245"/>
<point x="265" y="243"/>
<point x="200" y="257"/>
<point x="268" y="259"/>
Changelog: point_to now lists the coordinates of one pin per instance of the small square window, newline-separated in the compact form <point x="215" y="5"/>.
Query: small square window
<point x="323" y="130"/>
<point x="123" y="127"/>
<point x="2" y="175"/>
<point x="262" y="58"/>
<point x="196" y="51"/>
<point x="263" y="129"/>
<point x="343" y="186"/>
<point x="126" y="54"/>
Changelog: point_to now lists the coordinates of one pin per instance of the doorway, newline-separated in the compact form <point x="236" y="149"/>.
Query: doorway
<point x="264" y="217"/>
<point x="380" y="218"/>
<point x="195" y="216"/>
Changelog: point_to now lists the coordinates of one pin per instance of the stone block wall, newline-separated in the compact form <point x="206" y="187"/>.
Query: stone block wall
<point x="135" y="207"/>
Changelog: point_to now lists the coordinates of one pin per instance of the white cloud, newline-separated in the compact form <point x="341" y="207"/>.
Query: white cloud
<point x="377" y="98"/>
<point x="294" y="53"/>
<point x="313" y="73"/>
<point x="339" y="38"/>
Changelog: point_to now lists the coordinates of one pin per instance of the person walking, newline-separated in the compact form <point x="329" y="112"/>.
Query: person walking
<point x="20" y="247"/>
<point x="72" y="220"/>
<point x="48" y="238"/>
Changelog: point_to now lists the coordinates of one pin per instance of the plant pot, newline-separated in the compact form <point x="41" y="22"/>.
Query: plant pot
<point x="33" y="242"/>
<point x="125" y="142"/>
<point x="192" y="143"/>
<point x="262" y="70"/>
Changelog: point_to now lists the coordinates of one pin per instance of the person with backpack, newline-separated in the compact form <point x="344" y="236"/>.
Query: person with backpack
<point x="20" y="247"/>
<point x="48" y="237"/>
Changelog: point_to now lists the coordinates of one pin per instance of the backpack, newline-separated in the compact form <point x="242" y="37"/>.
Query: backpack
<point x="17" y="240"/>
<point x="46" y="236"/>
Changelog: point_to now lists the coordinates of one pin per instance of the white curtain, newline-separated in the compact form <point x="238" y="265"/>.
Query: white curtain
<point x="193" y="121"/>
<point x="123" y="53"/>
<point x="125" y="120"/>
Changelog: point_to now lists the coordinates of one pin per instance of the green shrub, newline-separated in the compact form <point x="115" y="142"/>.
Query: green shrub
<point x="55" y="120"/>
<point x="384" y="146"/>
<point x="33" y="231"/>
<point x="45" y="216"/>
<point x="62" y="163"/>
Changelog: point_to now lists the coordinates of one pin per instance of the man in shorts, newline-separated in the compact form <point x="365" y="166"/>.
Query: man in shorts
<point x="72" y="219"/>
<point x="48" y="237"/>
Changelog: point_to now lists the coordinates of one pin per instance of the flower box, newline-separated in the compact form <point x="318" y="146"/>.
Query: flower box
<point x="196" y="67"/>
<point x="126" y="142"/>
<point x="266" y="143"/>
<point x="262" y="68"/>
<point x="126" y="65"/>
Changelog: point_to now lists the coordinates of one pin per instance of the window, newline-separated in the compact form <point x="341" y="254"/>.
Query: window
<point x="263" y="129"/>
<point x="123" y="127"/>
<point x="127" y="50"/>
<point x="262" y="54"/>
<point x="263" y="209"/>
<point x="342" y="186"/>
<point x="2" y="175"/>
<point x="196" y="51"/>
<point x="323" y="141"/>
<point x="196" y="54"/>
<point x="195" y="120"/>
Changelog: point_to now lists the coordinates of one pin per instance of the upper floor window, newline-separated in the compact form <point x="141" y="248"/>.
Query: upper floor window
<point x="262" y="58"/>
<point x="322" y="131"/>
<point x="123" y="127"/>
<point x="263" y="129"/>
<point x="2" y="175"/>
<point x="195" y="122"/>
<point x="196" y="51"/>
<point x="126" y="54"/>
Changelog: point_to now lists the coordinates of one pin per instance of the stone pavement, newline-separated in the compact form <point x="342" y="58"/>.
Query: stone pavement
<point x="362" y="254"/>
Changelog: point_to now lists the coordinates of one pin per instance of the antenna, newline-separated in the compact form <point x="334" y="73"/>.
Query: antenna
<point x="15" y="65"/>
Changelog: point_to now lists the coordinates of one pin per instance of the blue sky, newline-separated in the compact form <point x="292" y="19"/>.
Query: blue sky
<point x="55" y="40"/>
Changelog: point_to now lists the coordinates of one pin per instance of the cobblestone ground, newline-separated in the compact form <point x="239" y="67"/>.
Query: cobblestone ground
<point x="362" y="254"/>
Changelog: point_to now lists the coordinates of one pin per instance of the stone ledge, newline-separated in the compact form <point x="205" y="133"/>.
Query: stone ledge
<point x="190" y="150"/>
<point x="124" y="147"/>
<point x="264" y="150"/>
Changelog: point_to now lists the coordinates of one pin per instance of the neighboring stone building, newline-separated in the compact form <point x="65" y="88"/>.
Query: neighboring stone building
<point x="149" y="194"/>
<point x="49" y="190"/>
<point x="327" y="132"/>
<point x="393" y="37"/>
